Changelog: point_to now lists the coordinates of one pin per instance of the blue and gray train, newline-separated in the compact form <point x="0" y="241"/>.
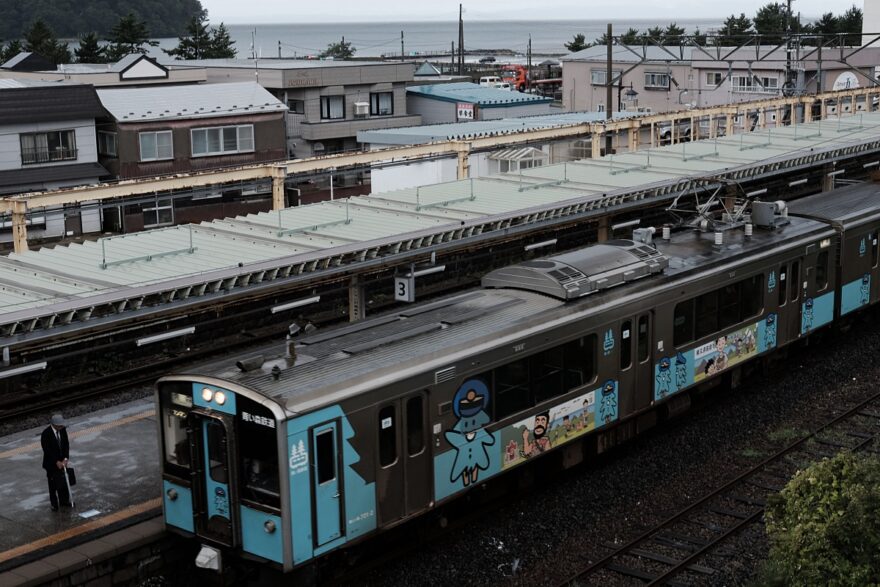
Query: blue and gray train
<point x="342" y="434"/>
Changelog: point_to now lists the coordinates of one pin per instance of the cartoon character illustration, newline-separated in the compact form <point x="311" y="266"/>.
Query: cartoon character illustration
<point x="771" y="281"/>
<point x="566" y="423"/>
<point x="862" y="248"/>
<point x="711" y="368"/>
<point x="540" y="442"/>
<point x="750" y="341"/>
<point x="865" y="289"/>
<point x="807" y="317"/>
<point x="663" y="378"/>
<point x="680" y="371"/>
<point x="510" y="451"/>
<point x="608" y="404"/>
<point x="469" y="437"/>
<point x="608" y="343"/>
<point x="721" y="354"/>
<point x="770" y="331"/>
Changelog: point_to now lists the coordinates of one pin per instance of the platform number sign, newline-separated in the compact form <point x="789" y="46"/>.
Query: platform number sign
<point x="405" y="289"/>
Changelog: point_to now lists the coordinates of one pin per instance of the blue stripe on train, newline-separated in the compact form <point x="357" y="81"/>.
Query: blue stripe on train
<point x="255" y="537"/>
<point x="855" y="294"/>
<point x="178" y="512"/>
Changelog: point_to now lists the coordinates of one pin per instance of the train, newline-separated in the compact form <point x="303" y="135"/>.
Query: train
<point x="309" y="448"/>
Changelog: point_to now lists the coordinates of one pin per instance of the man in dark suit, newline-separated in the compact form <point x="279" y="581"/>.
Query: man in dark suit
<point x="56" y="451"/>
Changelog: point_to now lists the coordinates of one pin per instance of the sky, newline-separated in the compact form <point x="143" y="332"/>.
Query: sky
<point x="285" y="11"/>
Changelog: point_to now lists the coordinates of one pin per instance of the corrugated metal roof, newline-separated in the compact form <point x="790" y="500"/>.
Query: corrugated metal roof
<point x="270" y="63"/>
<point x="188" y="101"/>
<point x="41" y="175"/>
<point x="415" y="135"/>
<point x="519" y="154"/>
<point x="49" y="286"/>
<point x="47" y="103"/>
<point x="475" y="93"/>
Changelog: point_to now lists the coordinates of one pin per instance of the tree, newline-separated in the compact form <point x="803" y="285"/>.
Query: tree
<point x="129" y="35"/>
<point x="850" y="25"/>
<point x="579" y="43"/>
<point x="734" y="29"/>
<point x="653" y="36"/>
<point x="700" y="39"/>
<point x="40" y="38"/>
<point x="340" y="50"/>
<point x="630" y="37"/>
<point x="672" y="35"/>
<point x="90" y="50"/>
<point x="12" y="49"/>
<point x="772" y="20"/>
<point x="196" y="42"/>
<point x="603" y="40"/>
<point x="222" y="43"/>
<point x="824" y="526"/>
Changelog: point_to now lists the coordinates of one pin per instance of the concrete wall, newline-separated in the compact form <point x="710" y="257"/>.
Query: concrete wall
<point x="432" y="111"/>
<point x="10" y="144"/>
<point x="871" y="20"/>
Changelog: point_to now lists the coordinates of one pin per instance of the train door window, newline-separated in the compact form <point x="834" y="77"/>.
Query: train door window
<point x="387" y="436"/>
<point x="728" y="305"/>
<point x="643" y="339"/>
<point x="626" y="345"/>
<point x="258" y="453"/>
<point x="751" y="301"/>
<point x="546" y="371"/>
<point x="795" y="286"/>
<point x="415" y="426"/>
<point x="706" y="314"/>
<point x="683" y="323"/>
<point x="216" y="436"/>
<point x="875" y="248"/>
<point x="325" y="456"/>
<point x="176" y="441"/>
<point x="782" y="284"/>
<point x="821" y="276"/>
<point x="512" y="388"/>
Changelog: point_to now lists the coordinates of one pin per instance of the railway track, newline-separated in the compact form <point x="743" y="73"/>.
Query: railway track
<point x="671" y="552"/>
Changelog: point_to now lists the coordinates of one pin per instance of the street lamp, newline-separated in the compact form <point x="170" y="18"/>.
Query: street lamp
<point x="630" y="93"/>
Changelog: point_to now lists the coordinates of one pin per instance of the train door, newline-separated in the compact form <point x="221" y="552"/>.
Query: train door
<point x="790" y="311"/>
<point x="626" y="376"/>
<point x="404" y="465"/>
<point x="644" y="364"/>
<point x="325" y="483"/>
<point x="212" y="478"/>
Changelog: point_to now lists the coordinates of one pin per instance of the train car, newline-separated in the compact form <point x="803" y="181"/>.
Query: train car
<point x="289" y="455"/>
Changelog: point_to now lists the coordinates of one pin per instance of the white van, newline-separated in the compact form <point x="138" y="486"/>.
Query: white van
<point x="490" y="81"/>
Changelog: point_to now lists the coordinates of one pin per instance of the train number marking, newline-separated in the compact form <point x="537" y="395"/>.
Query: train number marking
<point x="519" y="348"/>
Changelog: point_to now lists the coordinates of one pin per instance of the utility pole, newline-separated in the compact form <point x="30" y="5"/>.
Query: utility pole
<point x="402" y="51"/>
<point x="461" y="38"/>
<point x="609" y="92"/>
<point x="788" y="87"/>
<point x="279" y="49"/>
<point x="529" y="67"/>
<point x="452" y="57"/>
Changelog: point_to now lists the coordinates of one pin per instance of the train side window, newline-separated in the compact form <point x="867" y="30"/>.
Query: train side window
<point x="728" y="305"/>
<point x="782" y="284"/>
<point x="821" y="271"/>
<point x="683" y="323"/>
<point x="643" y="337"/>
<point x="795" y="286"/>
<point x="415" y="426"/>
<point x="547" y="370"/>
<point x="751" y="300"/>
<point x="580" y="361"/>
<point x="626" y="345"/>
<point x="875" y="249"/>
<point x="387" y="436"/>
<point x="512" y="388"/>
<point x="324" y="456"/>
<point x="706" y="314"/>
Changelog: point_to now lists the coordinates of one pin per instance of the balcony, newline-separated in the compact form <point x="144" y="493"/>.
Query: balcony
<point x="39" y="156"/>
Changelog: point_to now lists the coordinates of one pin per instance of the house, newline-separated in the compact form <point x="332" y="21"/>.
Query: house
<point x="386" y="178"/>
<point x="329" y="101"/>
<point x="163" y="130"/>
<point x="135" y="69"/>
<point x="48" y="141"/>
<point x="465" y="101"/>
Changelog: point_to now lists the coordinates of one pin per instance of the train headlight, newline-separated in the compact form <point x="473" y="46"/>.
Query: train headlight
<point x="207" y="394"/>
<point x="220" y="398"/>
<point x="172" y="494"/>
<point x="269" y="526"/>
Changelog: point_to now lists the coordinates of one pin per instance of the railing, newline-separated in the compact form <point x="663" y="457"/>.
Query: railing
<point x="35" y="156"/>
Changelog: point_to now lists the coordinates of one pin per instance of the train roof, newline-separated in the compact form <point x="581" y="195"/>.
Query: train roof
<point x="343" y="361"/>
<point x="847" y="206"/>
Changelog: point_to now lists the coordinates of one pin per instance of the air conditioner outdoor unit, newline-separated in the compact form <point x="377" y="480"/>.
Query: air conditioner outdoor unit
<point x="361" y="109"/>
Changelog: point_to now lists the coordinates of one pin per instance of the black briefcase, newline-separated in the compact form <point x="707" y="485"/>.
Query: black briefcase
<point x="71" y="476"/>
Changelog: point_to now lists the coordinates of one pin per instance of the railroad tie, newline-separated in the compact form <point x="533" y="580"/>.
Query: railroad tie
<point x="670" y="561"/>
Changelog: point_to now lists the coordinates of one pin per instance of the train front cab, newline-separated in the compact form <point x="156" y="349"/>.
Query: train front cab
<point x="220" y="469"/>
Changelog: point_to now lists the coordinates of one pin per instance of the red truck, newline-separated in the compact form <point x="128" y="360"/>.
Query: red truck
<point x="516" y="75"/>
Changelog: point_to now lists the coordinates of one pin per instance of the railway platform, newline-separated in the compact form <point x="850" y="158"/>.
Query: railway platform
<point x="117" y="497"/>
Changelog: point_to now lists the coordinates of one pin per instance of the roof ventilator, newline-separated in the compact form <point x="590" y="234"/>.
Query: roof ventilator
<point x="769" y="214"/>
<point x="250" y="363"/>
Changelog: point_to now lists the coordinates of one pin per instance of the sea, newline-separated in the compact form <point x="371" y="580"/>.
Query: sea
<point x="372" y="39"/>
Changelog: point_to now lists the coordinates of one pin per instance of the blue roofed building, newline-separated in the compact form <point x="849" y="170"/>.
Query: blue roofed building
<point x="466" y="101"/>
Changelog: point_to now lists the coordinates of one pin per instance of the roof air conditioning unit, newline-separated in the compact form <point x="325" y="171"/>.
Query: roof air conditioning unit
<point x="361" y="109"/>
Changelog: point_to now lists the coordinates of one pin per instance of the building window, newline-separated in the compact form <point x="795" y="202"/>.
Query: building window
<point x="512" y="165"/>
<point x="156" y="145"/>
<point x="754" y="85"/>
<point x="48" y="147"/>
<point x="222" y="140"/>
<point x="599" y="77"/>
<point x="657" y="80"/>
<point x="332" y="107"/>
<point x="382" y="104"/>
<point x="296" y="106"/>
<point x="107" y="143"/>
<point x="158" y="213"/>
<point x="714" y="78"/>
